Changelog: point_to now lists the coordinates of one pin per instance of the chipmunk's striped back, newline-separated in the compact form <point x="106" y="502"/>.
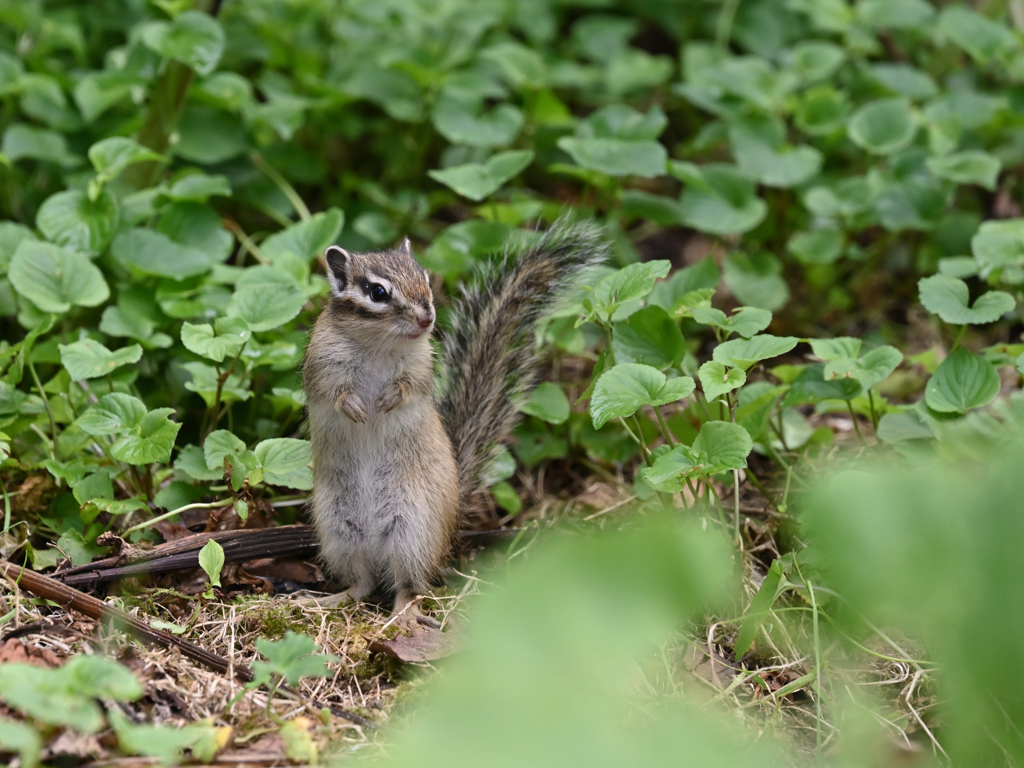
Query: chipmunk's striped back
<point x="490" y="351"/>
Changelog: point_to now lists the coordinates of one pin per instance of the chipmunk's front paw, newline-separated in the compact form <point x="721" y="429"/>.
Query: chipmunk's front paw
<point x="352" y="406"/>
<point x="391" y="397"/>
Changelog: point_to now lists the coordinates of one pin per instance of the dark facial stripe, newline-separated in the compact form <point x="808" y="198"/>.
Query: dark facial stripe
<point x="349" y="307"/>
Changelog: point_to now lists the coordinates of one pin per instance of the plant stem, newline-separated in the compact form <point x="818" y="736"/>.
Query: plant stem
<point x="664" y="427"/>
<point x="856" y="424"/>
<point x="55" y="450"/>
<point x="282" y="183"/>
<point x="874" y="413"/>
<point x="172" y="513"/>
<point x="959" y="337"/>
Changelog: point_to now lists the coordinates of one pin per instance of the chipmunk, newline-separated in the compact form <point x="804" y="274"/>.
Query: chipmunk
<point x="395" y="469"/>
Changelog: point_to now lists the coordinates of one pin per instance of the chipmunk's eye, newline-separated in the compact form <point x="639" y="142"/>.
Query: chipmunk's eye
<point x="379" y="293"/>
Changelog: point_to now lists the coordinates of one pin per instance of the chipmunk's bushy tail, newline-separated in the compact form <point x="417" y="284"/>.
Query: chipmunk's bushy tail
<point x="490" y="352"/>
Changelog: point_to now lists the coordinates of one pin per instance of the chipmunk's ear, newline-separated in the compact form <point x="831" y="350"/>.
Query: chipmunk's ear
<point x="339" y="264"/>
<point x="405" y="247"/>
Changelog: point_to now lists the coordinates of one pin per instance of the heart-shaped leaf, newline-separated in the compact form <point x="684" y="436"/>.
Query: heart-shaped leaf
<point x="718" y="198"/>
<point x="716" y="379"/>
<point x="746" y="321"/>
<point x="285" y="461"/>
<point x="810" y="387"/>
<point x="307" y="239"/>
<point x="151" y="253"/>
<point x="151" y="441"/>
<point x="626" y="285"/>
<point x="948" y="298"/>
<point x="265" y="306"/>
<point x="883" y="127"/>
<point x="743" y="353"/>
<point x="463" y="123"/>
<point x="649" y="336"/>
<point x="111" y="156"/>
<point x="479" y="180"/>
<point x="55" y="278"/>
<point x="198" y="188"/>
<point x="999" y="244"/>
<point x="968" y="167"/>
<point x="963" y="381"/>
<point x="836" y="349"/>
<point x="817" y="246"/>
<point x="88" y="359"/>
<point x="722" y="446"/>
<point x="221" y="443"/>
<point x="112" y="414"/>
<point x="617" y="157"/>
<point x="873" y="368"/>
<point x="231" y="335"/>
<point x="547" y="402"/>
<point x="73" y="220"/>
<point x="193" y="38"/>
<point x="626" y="387"/>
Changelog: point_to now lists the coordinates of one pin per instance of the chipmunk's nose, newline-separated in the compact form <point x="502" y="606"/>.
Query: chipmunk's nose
<point x="425" y="320"/>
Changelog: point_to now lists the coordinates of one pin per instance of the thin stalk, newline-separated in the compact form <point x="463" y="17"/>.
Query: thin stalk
<point x="856" y="424"/>
<point x="643" y="443"/>
<point x="874" y="413"/>
<point x="282" y="183"/>
<point x="248" y="245"/>
<point x="817" y="664"/>
<point x="7" y="508"/>
<point x="172" y="513"/>
<point x="46" y="404"/>
<point x="664" y="427"/>
<point x="637" y="440"/>
<point x="959" y="337"/>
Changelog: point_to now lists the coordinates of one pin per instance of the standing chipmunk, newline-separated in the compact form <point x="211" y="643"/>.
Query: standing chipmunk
<point x="394" y="468"/>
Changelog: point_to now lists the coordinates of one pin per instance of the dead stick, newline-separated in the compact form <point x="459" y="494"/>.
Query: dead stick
<point x="71" y="598"/>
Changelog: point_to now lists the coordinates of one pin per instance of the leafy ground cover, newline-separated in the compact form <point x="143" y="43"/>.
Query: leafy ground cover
<point x="781" y="424"/>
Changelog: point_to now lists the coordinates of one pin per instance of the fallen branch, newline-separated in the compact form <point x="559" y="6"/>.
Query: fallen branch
<point x="282" y="541"/>
<point x="70" y="598"/>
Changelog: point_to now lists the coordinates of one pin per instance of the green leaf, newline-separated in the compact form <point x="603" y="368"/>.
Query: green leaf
<point x="627" y="285"/>
<point x="948" y="298"/>
<point x="112" y="415"/>
<point x="28" y="142"/>
<point x="205" y="383"/>
<point x="293" y="657"/>
<point x="619" y="121"/>
<point x="519" y="65"/>
<point x="871" y="369"/>
<point x="193" y="38"/>
<point x="894" y="14"/>
<point x="823" y="110"/>
<point x="55" y="278"/>
<point x="548" y="403"/>
<point x="73" y="220"/>
<point x="718" y="199"/>
<point x="883" y="127"/>
<point x="148" y="252"/>
<point x="818" y="246"/>
<point x="759" y="147"/>
<point x="746" y="321"/>
<point x="199" y="187"/>
<point x="755" y="279"/>
<point x="759" y="608"/>
<point x="232" y="334"/>
<point x="626" y="387"/>
<point x="743" y="353"/>
<point x="23" y="739"/>
<point x="719" y="447"/>
<point x="462" y="123"/>
<point x="816" y="60"/>
<point x="968" y="167"/>
<point x="164" y="742"/>
<point x="211" y="560"/>
<point x="905" y="80"/>
<point x="88" y="359"/>
<point x="480" y="180"/>
<point x="285" y="461"/>
<point x="963" y="381"/>
<point x="983" y="38"/>
<point x="151" y="441"/>
<point x="837" y="348"/>
<point x="307" y="239"/>
<point x="722" y="446"/>
<point x="617" y="157"/>
<point x="111" y="156"/>
<point x="716" y="380"/>
<point x="265" y="306"/>
<point x="649" y="336"/>
<point x="906" y="425"/>
<point x="221" y="443"/>
<point x="65" y="695"/>
<point x="999" y="244"/>
<point x="810" y="387"/>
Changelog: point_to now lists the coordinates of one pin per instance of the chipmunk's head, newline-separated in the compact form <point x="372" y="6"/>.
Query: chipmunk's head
<point x="382" y="296"/>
